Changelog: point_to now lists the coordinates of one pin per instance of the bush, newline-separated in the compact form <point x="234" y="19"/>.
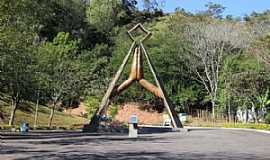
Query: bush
<point x="92" y="104"/>
<point x="267" y="118"/>
<point x="113" y="110"/>
<point x="9" y="128"/>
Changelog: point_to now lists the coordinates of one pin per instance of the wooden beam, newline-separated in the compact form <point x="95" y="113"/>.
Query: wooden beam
<point x="105" y="100"/>
<point x="169" y="106"/>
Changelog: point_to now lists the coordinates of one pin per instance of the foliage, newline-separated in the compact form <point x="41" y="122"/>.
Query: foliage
<point x="55" y="59"/>
<point x="214" y="10"/>
<point x="113" y="110"/>
<point x="211" y="42"/>
<point x="92" y="104"/>
<point x="262" y="50"/>
<point x="202" y="123"/>
<point x="263" y="100"/>
<point x="250" y="126"/>
<point x="94" y="69"/>
<point x="106" y="14"/>
<point x="267" y="118"/>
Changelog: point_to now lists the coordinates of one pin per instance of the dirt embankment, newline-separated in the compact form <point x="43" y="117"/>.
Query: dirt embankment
<point x="146" y="115"/>
<point x="80" y="111"/>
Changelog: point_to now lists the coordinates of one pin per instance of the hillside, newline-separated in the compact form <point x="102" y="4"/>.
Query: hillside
<point x="26" y="112"/>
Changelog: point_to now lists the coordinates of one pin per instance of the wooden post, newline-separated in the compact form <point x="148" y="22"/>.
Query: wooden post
<point x="173" y="114"/>
<point x="105" y="100"/>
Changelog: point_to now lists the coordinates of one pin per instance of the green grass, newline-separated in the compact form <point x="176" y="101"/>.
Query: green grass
<point x="195" y="122"/>
<point x="259" y="126"/>
<point x="26" y="111"/>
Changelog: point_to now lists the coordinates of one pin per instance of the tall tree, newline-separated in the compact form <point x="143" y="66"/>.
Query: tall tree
<point x="16" y="39"/>
<point x="211" y="42"/>
<point x="56" y="59"/>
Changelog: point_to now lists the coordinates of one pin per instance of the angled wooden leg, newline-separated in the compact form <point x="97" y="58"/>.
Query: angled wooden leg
<point x="105" y="100"/>
<point x="173" y="114"/>
<point x="124" y="85"/>
<point x="150" y="87"/>
<point x="132" y="74"/>
<point x="94" y="123"/>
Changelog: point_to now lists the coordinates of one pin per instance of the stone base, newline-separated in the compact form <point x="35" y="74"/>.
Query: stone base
<point x="132" y="131"/>
<point x="180" y="130"/>
<point x="93" y="125"/>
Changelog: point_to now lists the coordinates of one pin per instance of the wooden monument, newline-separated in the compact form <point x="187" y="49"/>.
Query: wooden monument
<point x="137" y="75"/>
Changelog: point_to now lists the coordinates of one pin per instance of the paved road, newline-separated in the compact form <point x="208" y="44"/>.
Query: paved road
<point x="197" y="144"/>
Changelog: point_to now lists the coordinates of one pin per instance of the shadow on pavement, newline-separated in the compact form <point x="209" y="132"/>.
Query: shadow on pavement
<point x="67" y="134"/>
<point x="72" y="155"/>
<point x="98" y="140"/>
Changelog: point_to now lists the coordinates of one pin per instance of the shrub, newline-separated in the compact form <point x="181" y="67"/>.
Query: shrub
<point x="113" y="110"/>
<point x="9" y="128"/>
<point x="92" y="104"/>
<point x="267" y="118"/>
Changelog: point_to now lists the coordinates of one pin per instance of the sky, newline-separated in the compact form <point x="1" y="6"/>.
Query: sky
<point x="237" y="8"/>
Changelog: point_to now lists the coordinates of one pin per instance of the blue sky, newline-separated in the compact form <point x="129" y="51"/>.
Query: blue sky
<point x="233" y="7"/>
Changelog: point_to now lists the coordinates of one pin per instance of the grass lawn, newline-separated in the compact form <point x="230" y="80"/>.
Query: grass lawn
<point x="26" y="112"/>
<point x="195" y="122"/>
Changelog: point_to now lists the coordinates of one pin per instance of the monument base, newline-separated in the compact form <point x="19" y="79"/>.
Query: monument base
<point x="93" y="125"/>
<point x="132" y="131"/>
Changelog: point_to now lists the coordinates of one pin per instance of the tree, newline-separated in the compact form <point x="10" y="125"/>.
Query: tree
<point x="211" y="42"/>
<point x="251" y="90"/>
<point x="215" y="10"/>
<point x="16" y="39"/>
<point x="17" y="76"/>
<point x="92" y="105"/>
<point x="106" y="14"/>
<point x="260" y="25"/>
<point x="150" y="5"/>
<point x="95" y="70"/>
<point x="262" y="50"/>
<point x="263" y="101"/>
<point x="16" y="68"/>
<point x="233" y="94"/>
<point x="56" y="60"/>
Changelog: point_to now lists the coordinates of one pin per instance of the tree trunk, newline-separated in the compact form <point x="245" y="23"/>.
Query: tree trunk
<point x="52" y="114"/>
<point x="229" y="112"/>
<point x="213" y="109"/>
<point x="256" y="116"/>
<point x="246" y="115"/>
<point x="14" y="105"/>
<point x="36" y="113"/>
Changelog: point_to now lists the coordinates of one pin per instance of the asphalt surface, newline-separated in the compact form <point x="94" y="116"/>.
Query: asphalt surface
<point x="203" y="144"/>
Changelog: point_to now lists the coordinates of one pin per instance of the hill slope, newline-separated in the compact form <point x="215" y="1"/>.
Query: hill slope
<point x="26" y="112"/>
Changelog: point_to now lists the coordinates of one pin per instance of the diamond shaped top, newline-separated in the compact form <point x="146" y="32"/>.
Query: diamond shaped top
<point x="141" y="38"/>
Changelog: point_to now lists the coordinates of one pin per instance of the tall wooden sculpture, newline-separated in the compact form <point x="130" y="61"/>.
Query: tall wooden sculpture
<point x="137" y="75"/>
